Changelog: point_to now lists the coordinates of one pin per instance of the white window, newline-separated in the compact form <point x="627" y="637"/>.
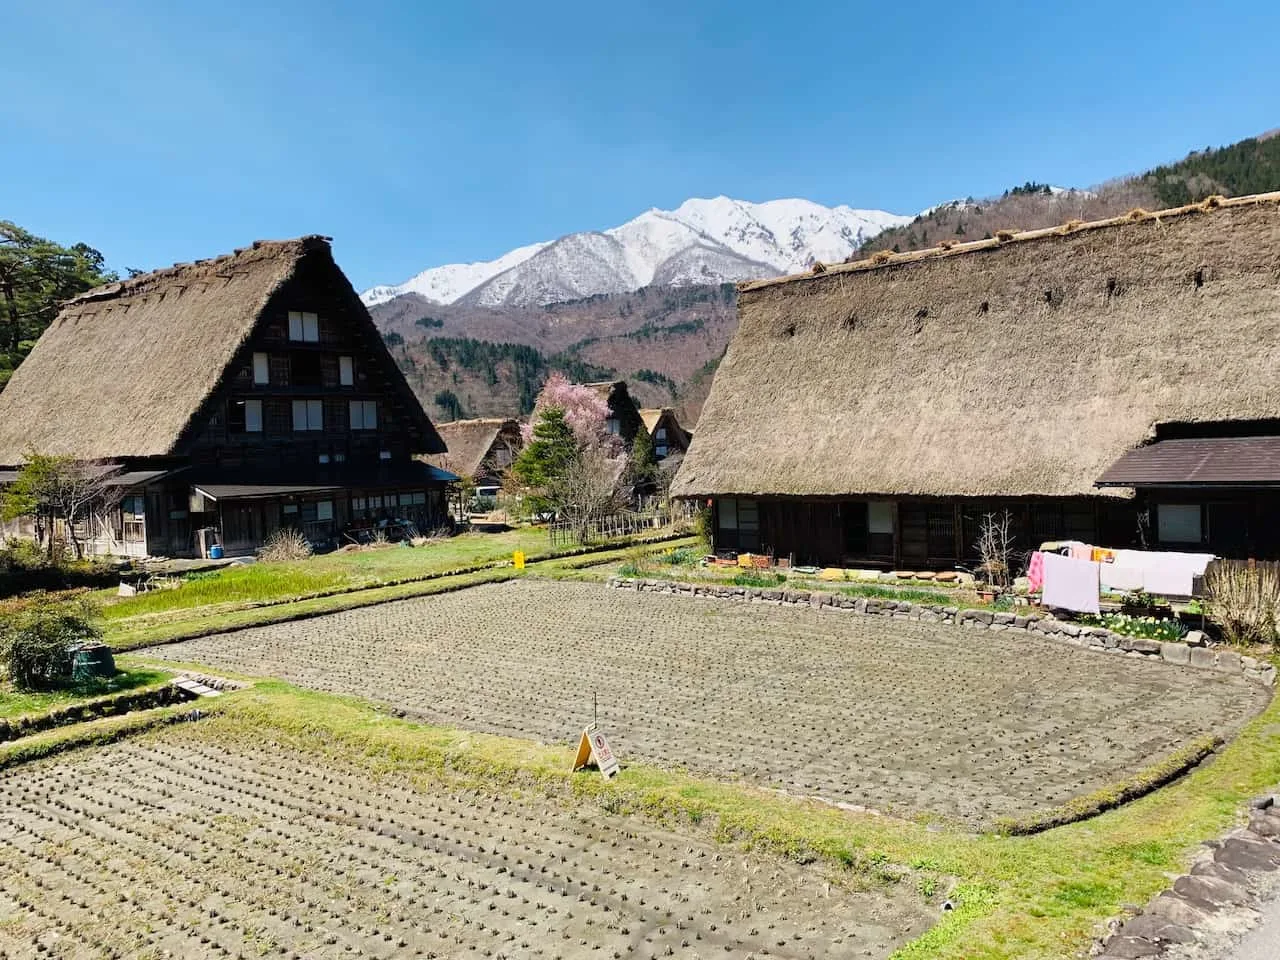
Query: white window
<point x="880" y="516"/>
<point x="324" y="510"/>
<point x="324" y="458"/>
<point x="728" y="514"/>
<point x="253" y="416"/>
<point x="346" y="371"/>
<point x="364" y="414"/>
<point x="339" y="458"/>
<point x="261" y="369"/>
<point x="308" y="415"/>
<point x="1178" y="522"/>
<point x="384" y="454"/>
<point x="358" y="503"/>
<point x="613" y="426"/>
<point x="304" y="327"/>
<point x="660" y="433"/>
<point x="290" y="508"/>
<point x="419" y="498"/>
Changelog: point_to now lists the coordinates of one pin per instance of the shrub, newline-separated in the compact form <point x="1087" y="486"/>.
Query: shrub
<point x="1243" y="599"/>
<point x="681" y="557"/>
<point x="36" y="637"/>
<point x="284" y="545"/>
<point x="639" y="563"/>
<point x="703" y="526"/>
<point x="758" y="578"/>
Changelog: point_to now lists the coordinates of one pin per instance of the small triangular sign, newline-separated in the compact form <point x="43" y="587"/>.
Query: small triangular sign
<point x="593" y="747"/>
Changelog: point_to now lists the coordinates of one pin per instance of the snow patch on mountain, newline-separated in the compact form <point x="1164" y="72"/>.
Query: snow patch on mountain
<point x="716" y="240"/>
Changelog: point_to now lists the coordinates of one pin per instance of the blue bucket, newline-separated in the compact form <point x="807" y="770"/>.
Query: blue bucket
<point x="215" y="552"/>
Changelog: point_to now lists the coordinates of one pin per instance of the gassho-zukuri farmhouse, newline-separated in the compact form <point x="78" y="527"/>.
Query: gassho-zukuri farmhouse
<point x="1115" y="382"/>
<point x="237" y="395"/>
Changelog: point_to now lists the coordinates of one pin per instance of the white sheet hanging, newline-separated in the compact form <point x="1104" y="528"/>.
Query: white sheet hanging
<point x="1071" y="584"/>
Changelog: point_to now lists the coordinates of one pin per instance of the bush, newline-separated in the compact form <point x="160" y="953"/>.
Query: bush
<point x="284" y="545"/>
<point x="639" y="563"/>
<point x="703" y="526"/>
<point x="36" y="637"/>
<point x="1243" y="599"/>
<point x="681" y="557"/>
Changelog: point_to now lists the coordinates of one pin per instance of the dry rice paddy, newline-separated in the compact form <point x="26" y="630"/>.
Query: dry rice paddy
<point x="210" y="840"/>
<point x="898" y="716"/>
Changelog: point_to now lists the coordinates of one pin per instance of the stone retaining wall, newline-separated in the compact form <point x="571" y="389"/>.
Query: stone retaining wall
<point x="1194" y="652"/>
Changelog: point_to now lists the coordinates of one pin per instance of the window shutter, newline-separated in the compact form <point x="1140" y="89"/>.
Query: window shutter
<point x="261" y="369"/>
<point x="315" y="414"/>
<point x="299" y="415"/>
<point x="346" y="372"/>
<point x="253" y="416"/>
<point x="295" y="325"/>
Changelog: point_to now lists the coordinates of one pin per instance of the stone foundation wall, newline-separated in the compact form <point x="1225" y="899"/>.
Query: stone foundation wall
<point x="1193" y="652"/>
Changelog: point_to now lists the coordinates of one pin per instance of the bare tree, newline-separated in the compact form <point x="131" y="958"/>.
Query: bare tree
<point x="590" y="488"/>
<point x="50" y="488"/>
<point x="995" y="547"/>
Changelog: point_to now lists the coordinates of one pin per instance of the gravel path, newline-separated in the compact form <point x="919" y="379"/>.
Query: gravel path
<point x="899" y="716"/>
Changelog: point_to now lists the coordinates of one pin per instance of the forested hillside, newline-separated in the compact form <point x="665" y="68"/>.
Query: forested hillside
<point x="468" y="361"/>
<point x="1250" y="166"/>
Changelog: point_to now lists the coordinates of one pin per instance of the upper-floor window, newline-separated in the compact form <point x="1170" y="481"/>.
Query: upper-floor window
<point x="660" y="433"/>
<point x="613" y="426"/>
<point x="304" y="326"/>
<point x="346" y="372"/>
<point x="308" y="415"/>
<point x="244" y="416"/>
<point x="261" y="369"/>
<point x="364" y="414"/>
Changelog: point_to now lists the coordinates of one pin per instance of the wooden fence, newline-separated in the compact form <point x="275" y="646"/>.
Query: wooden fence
<point x="629" y="523"/>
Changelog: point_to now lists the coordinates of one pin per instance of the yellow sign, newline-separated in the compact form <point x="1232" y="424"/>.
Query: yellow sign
<point x="594" y="748"/>
<point x="518" y="559"/>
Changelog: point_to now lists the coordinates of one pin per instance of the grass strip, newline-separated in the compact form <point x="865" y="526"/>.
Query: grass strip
<point x="95" y="732"/>
<point x="121" y="638"/>
<point x="125" y="701"/>
<point x="1114" y="795"/>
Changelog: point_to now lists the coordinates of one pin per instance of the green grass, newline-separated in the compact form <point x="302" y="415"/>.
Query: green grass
<point x="901" y="594"/>
<point x="184" y="623"/>
<point x="15" y="703"/>
<point x="256" y="583"/>
<point x="1043" y="896"/>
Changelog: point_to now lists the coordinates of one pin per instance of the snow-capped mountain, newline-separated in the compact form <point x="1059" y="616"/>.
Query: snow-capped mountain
<point x="701" y="241"/>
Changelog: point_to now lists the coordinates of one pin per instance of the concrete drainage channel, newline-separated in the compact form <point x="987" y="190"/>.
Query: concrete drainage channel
<point x="1208" y="908"/>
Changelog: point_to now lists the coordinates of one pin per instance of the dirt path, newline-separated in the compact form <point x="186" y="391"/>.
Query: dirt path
<point x="201" y="842"/>
<point x="898" y="716"/>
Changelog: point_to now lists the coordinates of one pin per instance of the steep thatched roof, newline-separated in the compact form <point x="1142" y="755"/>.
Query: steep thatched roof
<point x="1022" y="365"/>
<point x="125" y="367"/>
<point x="677" y="435"/>
<point x="469" y="443"/>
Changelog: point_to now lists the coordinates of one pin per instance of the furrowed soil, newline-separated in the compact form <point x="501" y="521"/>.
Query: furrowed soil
<point x="899" y="716"/>
<point x="211" y="840"/>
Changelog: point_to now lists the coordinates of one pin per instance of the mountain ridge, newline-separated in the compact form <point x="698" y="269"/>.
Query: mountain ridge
<point x="702" y="241"/>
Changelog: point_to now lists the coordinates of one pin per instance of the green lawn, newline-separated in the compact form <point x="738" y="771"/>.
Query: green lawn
<point x="14" y="703"/>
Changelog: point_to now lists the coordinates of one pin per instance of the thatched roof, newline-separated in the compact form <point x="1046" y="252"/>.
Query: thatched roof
<point x="469" y="443"/>
<point x="677" y="435"/>
<point x="1022" y="365"/>
<point x="125" y="367"/>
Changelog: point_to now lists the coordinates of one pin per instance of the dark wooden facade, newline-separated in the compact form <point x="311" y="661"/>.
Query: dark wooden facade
<point x="923" y="533"/>
<point x="310" y="427"/>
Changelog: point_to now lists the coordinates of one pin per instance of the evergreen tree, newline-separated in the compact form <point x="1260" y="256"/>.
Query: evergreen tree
<point x="544" y="463"/>
<point x="644" y="460"/>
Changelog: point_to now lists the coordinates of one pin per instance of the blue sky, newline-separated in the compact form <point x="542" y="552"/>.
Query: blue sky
<point x="424" y="133"/>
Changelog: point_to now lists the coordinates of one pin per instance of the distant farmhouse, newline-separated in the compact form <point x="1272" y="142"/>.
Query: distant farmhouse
<point x="243" y="394"/>
<point x="669" y="438"/>
<point x="1115" y="382"/>
<point x="479" y="450"/>
<point x="624" y="416"/>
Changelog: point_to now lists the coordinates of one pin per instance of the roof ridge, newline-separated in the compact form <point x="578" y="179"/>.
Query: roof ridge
<point x="1004" y="238"/>
<point x="135" y="284"/>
